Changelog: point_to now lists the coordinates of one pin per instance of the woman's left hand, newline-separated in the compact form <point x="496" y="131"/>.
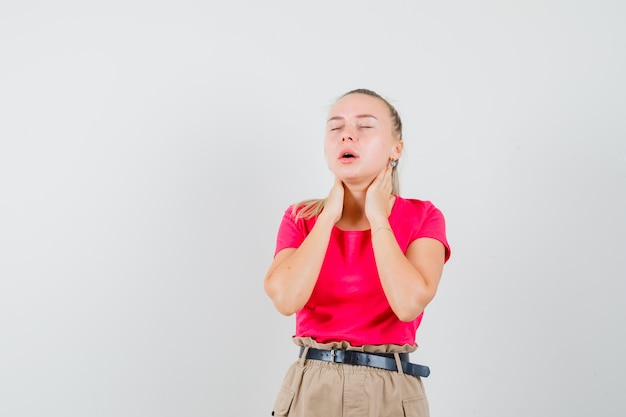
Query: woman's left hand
<point x="377" y="198"/>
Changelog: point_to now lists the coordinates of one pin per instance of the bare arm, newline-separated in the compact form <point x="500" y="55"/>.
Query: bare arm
<point x="292" y="275"/>
<point x="409" y="280"/>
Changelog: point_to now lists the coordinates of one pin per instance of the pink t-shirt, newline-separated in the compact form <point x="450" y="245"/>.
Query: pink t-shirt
<point x="348" y="302"/>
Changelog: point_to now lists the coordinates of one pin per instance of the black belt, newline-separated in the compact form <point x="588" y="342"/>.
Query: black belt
<point x="375" y="360"/>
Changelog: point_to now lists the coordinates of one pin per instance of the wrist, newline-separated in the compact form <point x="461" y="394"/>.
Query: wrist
<point x="382" y="229"/>
<point x="324" y="219"/>
<point x="378" y="223"/>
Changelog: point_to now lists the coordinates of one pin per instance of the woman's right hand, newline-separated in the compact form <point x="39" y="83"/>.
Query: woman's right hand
<point x="333" y="208"/>
<point x="291" y="278"/>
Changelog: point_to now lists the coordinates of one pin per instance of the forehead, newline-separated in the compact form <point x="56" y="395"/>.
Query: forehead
<point x="355" y="104"/>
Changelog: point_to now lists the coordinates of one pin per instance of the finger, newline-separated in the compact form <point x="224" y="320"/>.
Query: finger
<point x="386" y="182"/>
<point x="386" y="174"/>
<point x="388" y="170"/>
<point x="380" y="176"/>
<point x="338" y="184"/>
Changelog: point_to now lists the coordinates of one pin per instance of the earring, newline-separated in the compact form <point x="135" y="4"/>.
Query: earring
<point x="394" y="163"/>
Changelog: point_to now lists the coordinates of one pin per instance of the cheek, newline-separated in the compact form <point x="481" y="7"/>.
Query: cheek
<point x="383" y="149"/>
<point x="328" y="149"/>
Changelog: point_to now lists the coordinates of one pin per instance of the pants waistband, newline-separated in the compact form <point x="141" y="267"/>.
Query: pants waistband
<point x="375" y="360"/>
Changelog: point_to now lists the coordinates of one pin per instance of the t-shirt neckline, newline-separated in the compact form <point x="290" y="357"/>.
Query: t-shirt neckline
<point x="391" y="215"/>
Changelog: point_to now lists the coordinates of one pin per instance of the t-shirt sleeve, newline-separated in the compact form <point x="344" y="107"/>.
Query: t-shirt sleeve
<point x="434" y="227"/>
<point x="290" y="235"/>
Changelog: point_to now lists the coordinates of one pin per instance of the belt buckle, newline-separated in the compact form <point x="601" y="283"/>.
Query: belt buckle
<point x="333" y="355"/>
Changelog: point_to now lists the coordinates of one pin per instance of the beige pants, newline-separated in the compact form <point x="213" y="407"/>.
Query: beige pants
<point x="324" y="389"/>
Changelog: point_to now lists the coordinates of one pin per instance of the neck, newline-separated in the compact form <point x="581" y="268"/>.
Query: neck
<point x="353" y="216"/>
<point x="354" y="201"/>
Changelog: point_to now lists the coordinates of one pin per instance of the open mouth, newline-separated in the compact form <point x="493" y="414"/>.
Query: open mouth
<point x="347" y="154"/>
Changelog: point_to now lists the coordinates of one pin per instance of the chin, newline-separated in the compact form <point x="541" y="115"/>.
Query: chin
<point x="345" y="175"/>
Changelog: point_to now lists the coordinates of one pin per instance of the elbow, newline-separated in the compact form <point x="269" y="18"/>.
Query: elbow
<point x="408" y="315"/>
<point x="284" y="310"/>
<point x="411" y="310"/>
<point x="283" y="303"/>
<point x="284" y="307"/>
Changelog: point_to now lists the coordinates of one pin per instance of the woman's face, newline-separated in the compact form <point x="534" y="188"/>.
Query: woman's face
<point x="360" y="140"/>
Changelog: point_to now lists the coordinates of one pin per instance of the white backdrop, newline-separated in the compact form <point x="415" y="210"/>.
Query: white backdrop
<point x="149" y="148"/>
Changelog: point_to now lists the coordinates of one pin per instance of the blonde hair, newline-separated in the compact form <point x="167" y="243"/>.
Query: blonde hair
<point x="307" y="209"/>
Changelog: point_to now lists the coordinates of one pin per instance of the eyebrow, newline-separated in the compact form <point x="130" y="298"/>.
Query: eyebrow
<point x="358" y="116"/>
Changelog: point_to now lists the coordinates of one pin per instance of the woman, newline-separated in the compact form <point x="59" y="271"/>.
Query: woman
<point x="358" y="268"/>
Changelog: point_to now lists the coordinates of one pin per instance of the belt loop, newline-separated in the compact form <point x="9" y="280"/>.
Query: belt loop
<point x="303" y="356"/>
<point x="398" y="363"/>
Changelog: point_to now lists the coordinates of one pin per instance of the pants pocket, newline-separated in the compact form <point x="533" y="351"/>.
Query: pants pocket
<point x="416" y="407"/>
<point x="283" y="402"/>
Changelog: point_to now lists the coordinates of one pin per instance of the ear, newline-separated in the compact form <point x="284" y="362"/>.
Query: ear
<point x="396" y="150"/>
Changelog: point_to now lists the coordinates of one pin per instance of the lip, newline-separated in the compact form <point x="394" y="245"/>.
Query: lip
<point x="344" y="151"/>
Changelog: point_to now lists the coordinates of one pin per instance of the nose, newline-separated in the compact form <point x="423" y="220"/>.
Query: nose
<point x="345" y="138"/>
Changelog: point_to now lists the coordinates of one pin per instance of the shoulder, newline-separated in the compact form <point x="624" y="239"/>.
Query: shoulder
<point x="416" y="214"/>
<point x="419" y="219"/>
<point x="407" y="206"/>
<point x="293" y="215"/>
